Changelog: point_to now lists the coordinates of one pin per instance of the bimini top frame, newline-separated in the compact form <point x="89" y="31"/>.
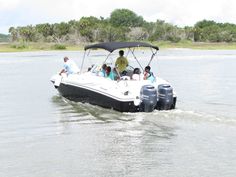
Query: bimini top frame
<point x="112" y="46"/>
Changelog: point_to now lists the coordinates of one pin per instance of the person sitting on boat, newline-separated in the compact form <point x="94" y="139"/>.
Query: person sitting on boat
<point x="136" y="74"/>
<point x="121" y="62"/>
<point x="70" y="67"/>
<point x="148" y="75"/>
<point x="109" y="73"/>
<point x="102" y="71"/>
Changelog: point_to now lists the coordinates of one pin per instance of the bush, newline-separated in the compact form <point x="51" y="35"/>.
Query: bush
<point x="59" y="47"/>
<point x="173" y="38"/>
<point x="19" y="46"/>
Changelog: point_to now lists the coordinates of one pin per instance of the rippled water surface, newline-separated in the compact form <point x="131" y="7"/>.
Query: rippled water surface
<point x="43" y="134"/>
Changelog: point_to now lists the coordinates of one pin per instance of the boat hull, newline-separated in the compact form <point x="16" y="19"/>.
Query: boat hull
<point x="79" y="94"/>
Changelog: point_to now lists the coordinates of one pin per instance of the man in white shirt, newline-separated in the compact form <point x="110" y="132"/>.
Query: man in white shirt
<point x="70" y="67"/>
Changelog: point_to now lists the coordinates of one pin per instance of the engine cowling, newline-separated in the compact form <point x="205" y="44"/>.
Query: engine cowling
<point x="148" y="98"/>
<point x="165" y="97"/>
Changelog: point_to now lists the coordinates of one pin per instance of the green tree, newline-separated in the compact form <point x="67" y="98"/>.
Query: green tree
<point x="204" y="23"/>
<point x="206" y="30"/>
<point x="13" y="33"/>
<point x="87" y="26"/>
<point x="27" y="33"/>
<point x="164" y="31"/>
<point x="4" y="38"/>
<point x="189" y="33"/>
<point x="123" y="25"/>
<point x="60" y="31"/>
<point x="125" y="18"/>
<point x="45" y="29"/>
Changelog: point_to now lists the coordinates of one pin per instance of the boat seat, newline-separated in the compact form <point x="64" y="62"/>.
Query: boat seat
<point x="125" y="78"/>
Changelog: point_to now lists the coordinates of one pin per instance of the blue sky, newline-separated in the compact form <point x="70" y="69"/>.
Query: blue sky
<point x="179" y="12"/>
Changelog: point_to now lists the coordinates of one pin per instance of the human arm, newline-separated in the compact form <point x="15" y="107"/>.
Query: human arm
<point x="127" y="63"/>
<point x="117" y="61"/>
<point x="146" y="75"/>
<point x="62" y="71"/>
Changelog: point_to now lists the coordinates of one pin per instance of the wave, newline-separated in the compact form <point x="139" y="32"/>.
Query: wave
<point x="87" y="113"/>
<point x="189" y="115"/>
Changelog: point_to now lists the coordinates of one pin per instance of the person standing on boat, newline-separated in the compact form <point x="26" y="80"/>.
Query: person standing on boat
<point x="121" y="62"/>
<point x="148" y="75"/>
<point x="70" y="67"/>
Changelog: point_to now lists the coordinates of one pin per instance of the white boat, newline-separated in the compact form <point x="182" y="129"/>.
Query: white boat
<point x="123" y="94"/>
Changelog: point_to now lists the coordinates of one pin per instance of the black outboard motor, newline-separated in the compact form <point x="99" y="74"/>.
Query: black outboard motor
<point x="148" y="97"/>
<point x="165" y="97"/>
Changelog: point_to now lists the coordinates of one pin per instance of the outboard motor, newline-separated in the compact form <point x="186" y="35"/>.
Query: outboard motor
<point x="148" y="97"/>
<point x="165" y="97"/>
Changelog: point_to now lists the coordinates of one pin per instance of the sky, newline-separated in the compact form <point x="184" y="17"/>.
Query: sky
<point x="178" y="12"/>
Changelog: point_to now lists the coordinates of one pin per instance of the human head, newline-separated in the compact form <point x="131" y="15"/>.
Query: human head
<point x="104" y="66"/>
<point x="108" y="69"/>
<point x="66" y="59"/>
<point x="136" y="71"/>
<point x="147" y="68"/>
<point x="121" y="52"/>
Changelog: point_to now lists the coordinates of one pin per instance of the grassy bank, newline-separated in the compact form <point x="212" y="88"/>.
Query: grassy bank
<point x="197" y="45"/>
<point x="22" y="47"/>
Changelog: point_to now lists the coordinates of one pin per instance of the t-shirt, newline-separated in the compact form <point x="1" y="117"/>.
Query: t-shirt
<point x="111" y="76"/>
<point x="102" y="73"/>
<point x="121" y="63"/>
<point x="150" y="77"/>
<point x="137" y="77"/>
<point x="71" y="67"/>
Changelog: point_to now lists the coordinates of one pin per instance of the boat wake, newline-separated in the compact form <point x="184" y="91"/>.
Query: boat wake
<point x="186" y="115"/>
<point x="86" y="113"/>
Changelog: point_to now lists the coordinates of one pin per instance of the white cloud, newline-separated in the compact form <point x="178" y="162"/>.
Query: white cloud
<point x="178" y="12"/>
<point x="9" y="4"/>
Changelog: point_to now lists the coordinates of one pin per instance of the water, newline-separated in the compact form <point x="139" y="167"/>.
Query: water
<point x="43" y="134"/>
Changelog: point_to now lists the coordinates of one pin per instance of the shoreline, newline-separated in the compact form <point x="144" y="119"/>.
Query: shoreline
<point x="28" y="47"/>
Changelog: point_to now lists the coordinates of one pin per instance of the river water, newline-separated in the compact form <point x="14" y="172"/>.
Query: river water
<point x="43" y="134"/>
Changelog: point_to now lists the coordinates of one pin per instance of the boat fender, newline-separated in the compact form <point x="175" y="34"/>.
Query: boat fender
<point x="137" y="101"/>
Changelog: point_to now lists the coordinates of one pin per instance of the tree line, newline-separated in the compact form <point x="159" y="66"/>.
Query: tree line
<point x="122" y="25"/>
<point x="4" y="38"/>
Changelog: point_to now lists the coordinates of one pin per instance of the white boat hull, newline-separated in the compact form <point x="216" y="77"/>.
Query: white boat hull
<point x="122" y="95"/>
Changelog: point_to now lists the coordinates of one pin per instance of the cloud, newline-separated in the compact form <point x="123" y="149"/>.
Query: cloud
<point x="10" y="4"/>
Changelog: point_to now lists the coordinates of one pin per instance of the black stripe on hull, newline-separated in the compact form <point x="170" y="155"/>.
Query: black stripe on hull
<point x="79" y="94"/>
